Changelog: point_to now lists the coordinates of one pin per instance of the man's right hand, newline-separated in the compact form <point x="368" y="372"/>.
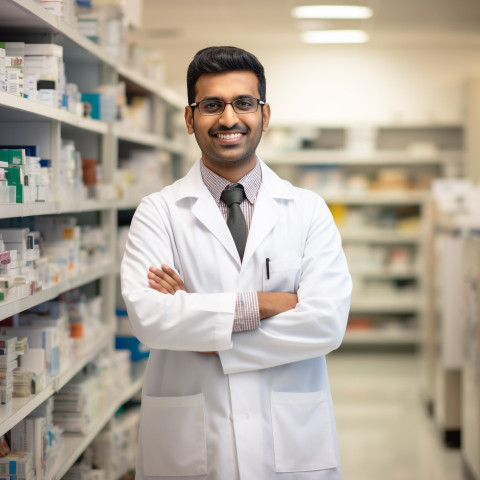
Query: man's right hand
<point x="273" y="303"/>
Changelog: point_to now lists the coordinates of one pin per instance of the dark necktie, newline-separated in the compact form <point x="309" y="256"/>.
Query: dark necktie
<point x="233" y="196"/>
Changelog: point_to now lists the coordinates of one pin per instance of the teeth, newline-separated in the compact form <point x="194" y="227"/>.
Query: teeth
<point x="229" y="136"/>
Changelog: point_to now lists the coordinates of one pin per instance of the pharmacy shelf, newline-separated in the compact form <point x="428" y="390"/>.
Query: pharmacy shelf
<point x="7" y="309"/>
<point x="345" y="158"/>
<point x="15" y="210"/>
<point x="368" y="197"/>
<point x="151" y="86"/>
<point x="385" y="303"/>
<point x="383" y="236"/>
<point x="381" y="337"/>
<point x="28" y="14"/>
<point x="386" y="273"/>
<point x="75" y="444"/>
<point x="136" y="136"/>
<point x="20" y="407"/>
<point x="128" y="204"/>
<point x="30" y="108"/>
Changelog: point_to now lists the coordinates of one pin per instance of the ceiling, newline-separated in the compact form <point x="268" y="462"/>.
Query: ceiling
<point x="268" y="23"/>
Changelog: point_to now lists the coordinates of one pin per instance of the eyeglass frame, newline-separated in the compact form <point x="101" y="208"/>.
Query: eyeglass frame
<point x="197" y="104"/>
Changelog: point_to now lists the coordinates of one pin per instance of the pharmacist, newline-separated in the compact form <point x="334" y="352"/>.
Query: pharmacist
<point x="247" y="291"/>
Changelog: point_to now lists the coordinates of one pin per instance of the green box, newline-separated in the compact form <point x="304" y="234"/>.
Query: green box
<point x="14" y="156"/>
<point x="14" y="176"/>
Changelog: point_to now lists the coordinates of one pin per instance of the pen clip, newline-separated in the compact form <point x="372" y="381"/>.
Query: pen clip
<point x="267" y="263"/>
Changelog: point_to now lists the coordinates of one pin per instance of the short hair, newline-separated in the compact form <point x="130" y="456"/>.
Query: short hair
<point x="224" y="59"/>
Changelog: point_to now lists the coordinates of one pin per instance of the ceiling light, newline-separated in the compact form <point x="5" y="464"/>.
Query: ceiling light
<point x="334" y="36"/>
<point x="332" y="11"/>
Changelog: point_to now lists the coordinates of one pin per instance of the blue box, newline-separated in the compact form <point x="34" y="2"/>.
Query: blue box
<point x="138" y="351"/>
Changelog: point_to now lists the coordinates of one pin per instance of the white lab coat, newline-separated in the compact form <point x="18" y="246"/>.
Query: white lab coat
<point x="261" y="408"/>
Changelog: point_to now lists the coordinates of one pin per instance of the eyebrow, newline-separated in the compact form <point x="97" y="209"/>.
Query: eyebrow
<point x="222" y="100"/>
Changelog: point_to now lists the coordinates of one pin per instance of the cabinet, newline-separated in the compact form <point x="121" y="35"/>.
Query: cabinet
<point x="376" y="181"/>
<point x="147" y="149"/>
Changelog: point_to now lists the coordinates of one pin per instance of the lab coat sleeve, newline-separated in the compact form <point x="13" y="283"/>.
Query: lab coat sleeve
<point x="184" y="321"/>
<point x="317" y="324"/>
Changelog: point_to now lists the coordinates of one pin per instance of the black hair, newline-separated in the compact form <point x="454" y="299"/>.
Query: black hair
<point x="223" y="59"/>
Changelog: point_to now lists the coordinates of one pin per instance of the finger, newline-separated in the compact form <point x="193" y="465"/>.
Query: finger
<point x="174" y="275"/>
<point x="168" y="280"/>
<point x="160" y="284"/>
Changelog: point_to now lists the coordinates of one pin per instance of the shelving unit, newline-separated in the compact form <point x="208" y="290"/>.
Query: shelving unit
<point x="376" y="181"/>
<point x="23" y="121"/>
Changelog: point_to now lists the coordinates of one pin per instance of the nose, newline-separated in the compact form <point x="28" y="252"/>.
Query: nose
<point x="229" y="117"/>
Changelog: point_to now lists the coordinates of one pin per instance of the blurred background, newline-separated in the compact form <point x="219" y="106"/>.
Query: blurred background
<point x="375" y="106"/>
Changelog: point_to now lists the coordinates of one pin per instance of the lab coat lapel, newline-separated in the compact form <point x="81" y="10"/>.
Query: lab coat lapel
<point x="267" y="210"/>
<point x="205" y="209"/>
<point x="265" y="216"/>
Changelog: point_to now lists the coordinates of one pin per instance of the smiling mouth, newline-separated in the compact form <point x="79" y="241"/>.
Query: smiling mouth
<point x="229" y="136"/>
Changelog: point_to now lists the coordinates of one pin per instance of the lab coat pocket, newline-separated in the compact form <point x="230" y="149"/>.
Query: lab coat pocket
<point x="282" y="274"/>
<point x="302" y="433"/>
<point x="173" y="436"/>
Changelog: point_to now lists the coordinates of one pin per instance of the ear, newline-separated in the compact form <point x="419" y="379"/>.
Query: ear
<point x="266" y="117"/>
<point x="189" y="119"/>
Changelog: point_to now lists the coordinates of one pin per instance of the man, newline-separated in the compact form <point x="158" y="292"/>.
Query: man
<point x="248" y="290"/>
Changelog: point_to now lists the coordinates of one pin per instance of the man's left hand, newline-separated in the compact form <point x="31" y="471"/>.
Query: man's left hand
<point x="165" y="280"/>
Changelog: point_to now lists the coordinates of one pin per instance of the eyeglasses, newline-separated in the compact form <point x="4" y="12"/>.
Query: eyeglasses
<point x="217" y="107"/>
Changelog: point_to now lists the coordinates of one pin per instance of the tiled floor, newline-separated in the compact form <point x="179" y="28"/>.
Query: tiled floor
<point x="383" y="428"/>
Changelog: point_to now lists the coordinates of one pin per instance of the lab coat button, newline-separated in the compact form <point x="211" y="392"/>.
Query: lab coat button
<point x="247" y="416"/>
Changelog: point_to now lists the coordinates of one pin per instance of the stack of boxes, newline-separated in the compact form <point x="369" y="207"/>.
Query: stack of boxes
<point x="20" y="272"/>
<point x="3" y="83"/>
<point x="61" y="8"/>
<point x="23" y="169"/>
<point x="44" y="73"/>
<point x="8" y="362"/>
<point x="14" y="53"/>
<point x="18" y="466"/>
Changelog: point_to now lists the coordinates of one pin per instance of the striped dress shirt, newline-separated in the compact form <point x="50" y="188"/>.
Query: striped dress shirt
<point x="247" y="312"/>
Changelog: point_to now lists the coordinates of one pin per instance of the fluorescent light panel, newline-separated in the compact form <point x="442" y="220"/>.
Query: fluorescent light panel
<point x="334" y="36"/>
<point x="332" y="11"/>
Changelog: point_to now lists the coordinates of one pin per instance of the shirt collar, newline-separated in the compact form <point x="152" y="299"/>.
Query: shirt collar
<point x="216" y="184"/>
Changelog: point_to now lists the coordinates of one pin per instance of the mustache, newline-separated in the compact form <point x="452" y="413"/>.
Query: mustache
<point x="235" y="129"/>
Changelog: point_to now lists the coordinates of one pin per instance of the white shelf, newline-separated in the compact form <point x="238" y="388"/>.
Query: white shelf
<point x="386" y="273"/>
<point x="147" y="139"/>
<point x="7" y="309"/>
<point x="75" y="444"/>
<point x="380" y="236"/>
<point x="375" y="198"/>
<point x="345" y="158"/>
<point x="385" y="304"/>
<point x="17" y="210"/>
<point x="151" y="86"/>
<point x="136" y="136"/>
<point x="128" y="204"/>
<point x="20" y="407"/>
<point x="381" y="337"/>
<point x="31" y="108"/>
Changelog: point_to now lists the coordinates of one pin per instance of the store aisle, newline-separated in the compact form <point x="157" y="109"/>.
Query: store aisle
<point x="384" y="431"/>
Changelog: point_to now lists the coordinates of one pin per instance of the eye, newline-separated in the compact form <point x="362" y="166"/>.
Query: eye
<point x="245" y="104"/>
<point x="211" y="106"/>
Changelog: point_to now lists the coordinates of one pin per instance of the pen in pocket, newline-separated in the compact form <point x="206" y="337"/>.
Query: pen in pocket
<point x="267" y="263"/>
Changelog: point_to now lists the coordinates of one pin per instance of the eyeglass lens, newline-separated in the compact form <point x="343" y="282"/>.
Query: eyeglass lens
<point x="216" y="107"/>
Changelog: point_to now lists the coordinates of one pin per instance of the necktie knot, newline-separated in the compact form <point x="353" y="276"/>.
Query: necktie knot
<point x="233" y="193"/>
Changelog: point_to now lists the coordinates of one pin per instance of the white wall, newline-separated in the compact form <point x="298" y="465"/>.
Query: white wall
<point x="358" y="84"/>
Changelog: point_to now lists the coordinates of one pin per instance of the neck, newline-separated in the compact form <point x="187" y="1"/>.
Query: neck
<point x="231" y="171"/>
